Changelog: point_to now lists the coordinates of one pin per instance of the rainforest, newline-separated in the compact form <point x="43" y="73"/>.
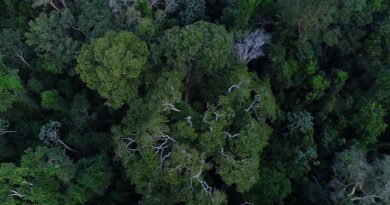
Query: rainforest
<point x="194" y="102"/>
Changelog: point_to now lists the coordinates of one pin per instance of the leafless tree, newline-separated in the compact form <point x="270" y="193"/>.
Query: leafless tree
<point x="49" y="134"/>
<point x="251" y="46"/>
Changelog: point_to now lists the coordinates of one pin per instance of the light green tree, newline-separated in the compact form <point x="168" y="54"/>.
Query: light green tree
<point x="112" y="66"/>
<point x="47" y="176"/>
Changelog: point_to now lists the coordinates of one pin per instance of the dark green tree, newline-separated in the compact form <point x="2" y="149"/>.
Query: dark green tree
<point x="49" y="35"/>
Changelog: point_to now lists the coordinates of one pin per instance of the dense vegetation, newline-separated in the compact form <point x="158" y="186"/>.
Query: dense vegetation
<point x="194" y="102"/>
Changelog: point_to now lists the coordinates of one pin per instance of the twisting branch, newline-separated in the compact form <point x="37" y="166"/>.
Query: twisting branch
<point x="232" y="135"/>
<point x="255" y="103"/>
<point x="247" y="203"/>
<point x="229" y="158"/>
<point x="189" y="120"/>
<point x="366" y="197"/>
<point x="164" y="142"/>
<point x="129" y="146"/>
<point x="28" y="183"/>
<point x="20" y="56"/>
<point x="171" y="107"/>
<point x="235" y="86"/>
<point x="15" y="193"/>
<point x="203" y="183"/>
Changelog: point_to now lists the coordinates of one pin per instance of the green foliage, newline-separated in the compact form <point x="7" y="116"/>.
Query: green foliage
<point x="154" y="151"/>
<point x="300" y="123"/>
<point x="194" y="11"/>
<point x="368" y="124"/>
<point x="380" y="87"/>
<point x="272" y="188"/>
<point x="356" y="180"/>
<point x="112" y="64"/>
<point x="95" y="18"/>
<point x="50" y="39"/>
<point x="308" y="17"/>
<point x="11" y="87"/>
<point x="196" y="46"/>
<point x="167" y="102"/>
<point x="51" y="100"/>
<point x="239" y="12"/>
<point x="146" y="29"/>
<point x="13" y="47"/>
<point x="47" y="176"/>
<point x="201" y="50"/>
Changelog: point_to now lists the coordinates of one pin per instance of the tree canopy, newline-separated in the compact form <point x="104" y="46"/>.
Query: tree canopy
<point x="197" y="102"/>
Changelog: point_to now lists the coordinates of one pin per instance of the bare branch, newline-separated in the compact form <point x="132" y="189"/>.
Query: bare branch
<point x="203" y="183"/>
<point x="247" y="203"/>
<point x="255" y="103"/>
<point x="189" y="120"/>
<point x="366" y="197"/>
<point x="235" y="86"/>
<point x="130" y="142"/>
<point x="49" y="134"/>
<point x="164" y="142"/>
<point x="15" y="193"/>
<point x="171" y="107"/>
<point x="20" y="56"/>
<point x="231" y="135"/>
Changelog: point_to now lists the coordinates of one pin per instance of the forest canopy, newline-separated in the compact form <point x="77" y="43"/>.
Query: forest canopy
<point x="198" y="102"/>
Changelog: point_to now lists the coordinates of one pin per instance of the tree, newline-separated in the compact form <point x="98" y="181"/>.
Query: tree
<point x="47" y="176"/>
<point x="125" y="12"/>
<point x="239" y="13"/>
<point x="194" y="10"/>
<point x="50" y="39"/>
<point x="95" y="18"/>
<point x="300" y="123"/>
<point x="369" y="123"/>
<point x="309" y="18"/>
<point x="251" y="46"/>
<point x="201" y="50"/>
<point x="13" y="49"/>
<point x="11" y="87"/>
<point x="357" y="181"/>
<point x="165" y="144"/>
<point x="112" y="66"/>
<point x="49" y="134"/>
<point x="380" y="86"/>
<point x="272" y="188"/>
<point x="50" y="99"/>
